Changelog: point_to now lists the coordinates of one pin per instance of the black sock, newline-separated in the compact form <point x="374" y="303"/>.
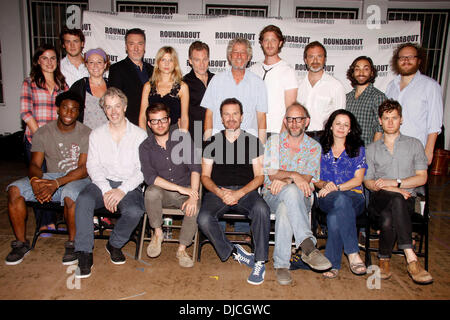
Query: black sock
<point x="308" y="246"/>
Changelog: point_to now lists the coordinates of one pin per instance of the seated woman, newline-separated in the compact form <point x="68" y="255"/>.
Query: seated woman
<point x="342" y="169"/>
<point x="166" y="86"/>
<point x="92" y="88"/>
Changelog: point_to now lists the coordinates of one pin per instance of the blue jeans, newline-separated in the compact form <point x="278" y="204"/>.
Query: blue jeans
<point x="131" y="210"/>
<point x="252" y="205"/>
<point x="342" y="208"/>
<point x="291" y="220"/>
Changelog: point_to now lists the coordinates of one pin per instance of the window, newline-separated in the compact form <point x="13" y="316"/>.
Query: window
<point x="147" y="7"/>
<point x="434" y="30"/>
<point x="326" y="13"/>
<point x="246" y="11"/>
<point x="47" y="17"/>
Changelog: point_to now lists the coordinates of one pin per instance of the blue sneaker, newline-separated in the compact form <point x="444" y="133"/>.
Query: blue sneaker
<point x="243" y="257"/>
<point x="258" y="272"/>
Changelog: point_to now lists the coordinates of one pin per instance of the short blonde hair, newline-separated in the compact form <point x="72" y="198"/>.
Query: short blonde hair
<point x="177" y="76"/>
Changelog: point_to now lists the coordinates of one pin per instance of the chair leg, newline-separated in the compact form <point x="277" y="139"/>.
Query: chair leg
<point x="138" y="236"/>
<point x="194" y="252"/>
<point x="142" y="235"/>
<point x="36" y="230"/>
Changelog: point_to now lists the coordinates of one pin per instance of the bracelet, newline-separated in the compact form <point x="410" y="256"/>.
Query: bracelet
<point x="33" y="178"/>
<point x="57" y="183"/>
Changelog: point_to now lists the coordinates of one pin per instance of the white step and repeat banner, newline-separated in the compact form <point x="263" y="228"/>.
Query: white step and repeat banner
<point x="344" y="39"/>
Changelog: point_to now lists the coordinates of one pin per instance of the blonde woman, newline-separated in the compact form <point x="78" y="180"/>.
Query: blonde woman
<point x="165" y="86"/>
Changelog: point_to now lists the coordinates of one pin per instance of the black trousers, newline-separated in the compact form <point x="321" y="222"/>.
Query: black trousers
<point x="393" y="214"/>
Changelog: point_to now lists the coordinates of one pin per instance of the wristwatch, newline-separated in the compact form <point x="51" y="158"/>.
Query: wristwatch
<point x="339" y="187"/>
<point x="399" y="182"/>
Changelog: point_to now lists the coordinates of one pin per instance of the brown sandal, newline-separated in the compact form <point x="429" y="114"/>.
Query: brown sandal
<point x="330" y="274"/>
<point x="358" y="268"/>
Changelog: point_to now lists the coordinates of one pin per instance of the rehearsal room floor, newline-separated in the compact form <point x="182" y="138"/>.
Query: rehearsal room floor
<point x="41" y="275"/>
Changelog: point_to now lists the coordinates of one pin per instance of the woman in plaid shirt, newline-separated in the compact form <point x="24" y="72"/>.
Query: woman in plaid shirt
<point x="37" y="102"/>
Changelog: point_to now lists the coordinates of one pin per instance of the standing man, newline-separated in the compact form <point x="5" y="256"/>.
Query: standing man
<point x="319" y="92"/>
<point x="63" y="143"/>
<point x="291" y="163"/>
<point x="130" y="74"/>
<point x="172" y="177"/>
<point x="197" y="81"/>
<point x="420" y="96"/>
<point x="241" y="84"/>
<point x="364" y="99"/>
<point x="397" y="166"/>
<point x="231" y="173"/>
<point x="115" y="170"/>
<point x="72" y="66"/>
<point x="279" y="77"/>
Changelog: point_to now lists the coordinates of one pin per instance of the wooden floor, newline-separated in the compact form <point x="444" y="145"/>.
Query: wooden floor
<point x="42" y="276"/>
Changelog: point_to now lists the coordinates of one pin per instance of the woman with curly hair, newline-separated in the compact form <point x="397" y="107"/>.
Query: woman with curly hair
<point x="342" y="169"/>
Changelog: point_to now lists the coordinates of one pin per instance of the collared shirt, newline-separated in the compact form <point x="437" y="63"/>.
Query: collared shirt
<point x="342" y="169"/>
<point x="251" y="92"/>
<point x="278" y="156"/>
<point x="72" y="73"/>
<point x="327" y="95"/>
<point x="422" y="106"/>
<point x="37" y="103"/>
<point x="365" y="109"/>
<point x="278" y="78"/>
<point x="196" y="92"/>
<point x="142" y="73"/>
<point x="175" y="163"/>
<point x="408" y="156"/>
<point x="116" y="162"/>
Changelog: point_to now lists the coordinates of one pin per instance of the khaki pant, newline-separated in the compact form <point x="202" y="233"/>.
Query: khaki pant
<point x="157" y="198"/>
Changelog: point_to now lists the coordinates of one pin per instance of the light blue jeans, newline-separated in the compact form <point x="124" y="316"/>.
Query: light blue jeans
<point x="291" y="220"/>
<point x="69" y="190"/>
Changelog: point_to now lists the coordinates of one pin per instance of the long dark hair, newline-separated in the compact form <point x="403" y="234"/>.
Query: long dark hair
<point x="353" y="140"/>
<point x="36" y="74"/>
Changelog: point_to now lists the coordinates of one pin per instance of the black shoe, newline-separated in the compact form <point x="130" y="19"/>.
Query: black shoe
<point x="85" y="263"/>
<point x="19" y="250"/>
<point x="116" y="254"/>
<point x="70" y="256"/>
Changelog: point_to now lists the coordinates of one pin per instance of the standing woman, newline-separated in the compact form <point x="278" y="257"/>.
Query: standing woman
<point x="166" y="86"/>
<point x="92" y="88"/>
<point x="37" y="102"/>
<point x="342" y="170"/>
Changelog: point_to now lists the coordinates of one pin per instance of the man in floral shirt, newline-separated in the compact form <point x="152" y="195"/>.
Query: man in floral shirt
<point x="291" y="163"/>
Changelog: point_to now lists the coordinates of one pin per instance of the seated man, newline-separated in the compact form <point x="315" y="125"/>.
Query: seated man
<point x="397" y="166"/>
<point x="232" y="172"/>
<point x="63" y="143"/>
<point x="115" y="170"/>
<point x="291" y="162"/>
<point x="173" y="179"/>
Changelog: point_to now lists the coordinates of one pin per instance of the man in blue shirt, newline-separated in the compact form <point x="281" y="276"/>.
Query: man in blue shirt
<point x="419" y="95"/>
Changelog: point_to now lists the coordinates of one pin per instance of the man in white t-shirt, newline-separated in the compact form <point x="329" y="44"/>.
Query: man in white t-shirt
<point x="319" y="92"/>
<point x="279" y="77"/>
<point x="72" y="66"/>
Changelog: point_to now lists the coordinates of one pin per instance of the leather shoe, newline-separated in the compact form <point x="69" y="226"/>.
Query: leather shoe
<point x="419" y="274"/>
<point x="385" y="272"/>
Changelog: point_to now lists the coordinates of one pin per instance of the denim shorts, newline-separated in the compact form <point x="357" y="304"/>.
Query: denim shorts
<point x="70" y="190"/>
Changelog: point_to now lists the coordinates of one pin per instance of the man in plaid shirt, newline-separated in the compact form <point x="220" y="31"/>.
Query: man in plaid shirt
<point x="364" y="99"/>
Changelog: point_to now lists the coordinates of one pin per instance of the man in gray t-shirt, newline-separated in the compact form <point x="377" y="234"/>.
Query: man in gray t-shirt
<point x="397" y="164"/>
<point x="64" y="145"/>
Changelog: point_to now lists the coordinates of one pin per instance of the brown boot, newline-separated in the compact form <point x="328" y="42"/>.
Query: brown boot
<point x="419" y="274"/>
<point x="385" y="273"/>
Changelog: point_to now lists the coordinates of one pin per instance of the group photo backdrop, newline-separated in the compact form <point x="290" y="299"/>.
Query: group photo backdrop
<point x="344" y="39"/>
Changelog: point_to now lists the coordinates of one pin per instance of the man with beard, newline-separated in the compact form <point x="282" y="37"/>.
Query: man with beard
<point x="241" y="84"/>
<point x="419" y="95"/>
<point x="291" y="163"/>
<point x="319" y="92"/>
<point x="364" y="99"/>
<point x="231" y="174"/>
<point x="72" y="66"/>
<point x="173" y="179"/>
<point x="279" y="77"/>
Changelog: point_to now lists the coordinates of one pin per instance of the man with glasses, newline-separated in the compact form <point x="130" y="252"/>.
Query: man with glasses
<point x="419" y="95"/>
<point x="319" y="92"/>
<point x="291" y="163"/>
<point x="171" y="170"/>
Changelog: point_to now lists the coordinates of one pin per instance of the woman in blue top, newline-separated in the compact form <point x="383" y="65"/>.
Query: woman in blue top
<point x="342" y="170"/>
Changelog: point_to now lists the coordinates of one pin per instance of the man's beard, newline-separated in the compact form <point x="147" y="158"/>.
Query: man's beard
<point x="318" y="69"/>
<point x="300" y="132"/>
<point x="161" y="134"/>
<point x="410" y="72"/>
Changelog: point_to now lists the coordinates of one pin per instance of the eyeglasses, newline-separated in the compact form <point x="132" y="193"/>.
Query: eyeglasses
<point x="403" y="58"/>
<point x="162" y="120"/>
<point x="296" y="119"/>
